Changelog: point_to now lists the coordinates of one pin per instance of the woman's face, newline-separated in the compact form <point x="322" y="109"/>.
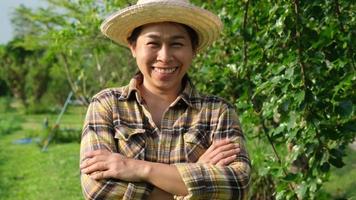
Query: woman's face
<point x="163" y="53"/>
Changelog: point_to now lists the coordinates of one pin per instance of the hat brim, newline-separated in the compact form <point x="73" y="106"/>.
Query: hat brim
<point x="119" y="26"/>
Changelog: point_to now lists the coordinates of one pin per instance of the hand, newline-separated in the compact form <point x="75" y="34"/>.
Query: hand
<point x="102" y="164"/>
<point x="220" y="153"/>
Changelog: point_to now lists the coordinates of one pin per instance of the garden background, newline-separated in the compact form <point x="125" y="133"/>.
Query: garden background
<point x="287" y="66"/>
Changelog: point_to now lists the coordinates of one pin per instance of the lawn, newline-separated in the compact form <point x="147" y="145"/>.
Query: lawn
<point x="27" y="172"/>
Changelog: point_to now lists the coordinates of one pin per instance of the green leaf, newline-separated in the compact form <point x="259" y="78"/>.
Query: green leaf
<point x="336" y="153"/>
<point x="345" y="108"/>
<point x="299" y="97"/>
<point x="325" y="167"/>
<point x="337" y="162"/>
<point x="302" y="189"/>
<point x="290" y="177"/>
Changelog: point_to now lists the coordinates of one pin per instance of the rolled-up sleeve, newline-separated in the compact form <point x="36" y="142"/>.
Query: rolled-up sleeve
<point x="98" y="133"/>
<point x="206" y="181"/>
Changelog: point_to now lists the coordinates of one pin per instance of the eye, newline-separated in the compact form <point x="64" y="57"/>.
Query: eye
<point x="177" y="44"/>
<point x="152" y="44"/>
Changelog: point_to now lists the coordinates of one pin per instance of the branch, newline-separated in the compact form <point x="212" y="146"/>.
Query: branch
<point x="245" y="45"/>
<point x="265" y="130"/>
<point x="245" y="52"/>
<point x="73" y="85"/>
<point x="68" y="75"/>
<point x="299" y="46"/>
<point x="342" y="29"/>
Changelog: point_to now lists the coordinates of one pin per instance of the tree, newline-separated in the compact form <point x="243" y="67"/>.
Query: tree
<point x="69" y="30"/>
<point x="289" y="67"/>
<point x="25" y="72"/>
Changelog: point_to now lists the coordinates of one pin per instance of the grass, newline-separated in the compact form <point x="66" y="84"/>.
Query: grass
<point x="28" y="173"/>
<point x="342" y="183"/>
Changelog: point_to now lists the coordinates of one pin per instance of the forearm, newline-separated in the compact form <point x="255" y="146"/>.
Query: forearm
<point x="165" y="177"/>
<point x="213" y="182"/>
<point x="158" y="194"/>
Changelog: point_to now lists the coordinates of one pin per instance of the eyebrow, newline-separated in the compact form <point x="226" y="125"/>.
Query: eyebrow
<point x="174" y="37"/>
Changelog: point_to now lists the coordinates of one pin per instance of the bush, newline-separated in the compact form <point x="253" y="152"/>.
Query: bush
<point x="289" y="68"/>
<point x="4" y="89"/>
<point x="5" y="104"/>
<point x="59" y="135"/>
<point x="9" y="124"/>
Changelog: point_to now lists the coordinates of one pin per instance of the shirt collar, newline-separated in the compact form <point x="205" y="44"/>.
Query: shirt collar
<point x="132" y="88"/>
<point x="188" y="95"/>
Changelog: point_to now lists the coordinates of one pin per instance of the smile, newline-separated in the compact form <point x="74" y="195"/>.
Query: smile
<point x="165" y="70"/>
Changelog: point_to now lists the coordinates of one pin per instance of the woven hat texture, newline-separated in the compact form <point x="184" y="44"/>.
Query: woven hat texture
<point x="119" y="26"/>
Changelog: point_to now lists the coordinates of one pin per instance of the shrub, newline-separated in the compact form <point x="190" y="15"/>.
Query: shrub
<point x="9" y="124"/>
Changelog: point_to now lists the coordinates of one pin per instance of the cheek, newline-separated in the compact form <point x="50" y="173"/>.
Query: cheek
<point x="186" y="58"/>
<point x="145" y="56"/>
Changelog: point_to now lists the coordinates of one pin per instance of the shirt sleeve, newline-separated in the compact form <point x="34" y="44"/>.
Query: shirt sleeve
<point x="97" y="134"/>
<point x="206" y="181"/>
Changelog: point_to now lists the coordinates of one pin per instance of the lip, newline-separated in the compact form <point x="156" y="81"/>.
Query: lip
<point x="164" y="73"/>
<point x="165" y="70"/>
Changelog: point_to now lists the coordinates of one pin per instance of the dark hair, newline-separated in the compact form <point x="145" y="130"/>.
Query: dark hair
<point x="194" y="39"/>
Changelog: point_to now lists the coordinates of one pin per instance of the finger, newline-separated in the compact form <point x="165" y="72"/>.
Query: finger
<point x="100" y="166"/>
<point x="98" y="175"/>
<point x="219" y="150"/>
<point x="93" y="160"/>
<point x="216" y="145"/>
<point x="223" y="155"/>
<point x="226" y="161"/>
<point x="91" y="154"/>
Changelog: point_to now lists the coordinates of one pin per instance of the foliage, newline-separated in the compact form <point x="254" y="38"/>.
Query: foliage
<point x="4" y="89"/>
<point x="289" y="67"/>
<point x="9" y="125"/>
<point x="340" y="184"/>
<point x="5" y="104"/>
<point x="85" y="60"/>
<point x="62" y="47"/>
<point x="25" y="71"/>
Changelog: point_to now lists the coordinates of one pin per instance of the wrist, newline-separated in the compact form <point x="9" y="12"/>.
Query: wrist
<point x="144" y="169"/>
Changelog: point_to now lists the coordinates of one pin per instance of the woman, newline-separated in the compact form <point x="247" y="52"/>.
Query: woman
<point x="158" y="138"/>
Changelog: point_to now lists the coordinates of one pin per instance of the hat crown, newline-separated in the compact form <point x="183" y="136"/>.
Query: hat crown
<point x="155" y="1"/>
<point x="119" y="25"/>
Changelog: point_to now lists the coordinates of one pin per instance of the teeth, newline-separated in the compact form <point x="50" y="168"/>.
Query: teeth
<point x="165" y="70"/>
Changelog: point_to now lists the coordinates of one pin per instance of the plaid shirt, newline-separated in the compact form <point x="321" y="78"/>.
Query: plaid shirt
<point x="118" y="121"/>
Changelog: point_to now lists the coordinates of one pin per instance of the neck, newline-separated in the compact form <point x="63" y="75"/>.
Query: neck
<point x="154" y="95"/>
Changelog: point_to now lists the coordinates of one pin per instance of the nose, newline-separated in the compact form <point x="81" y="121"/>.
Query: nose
<point x="164" y="54"/>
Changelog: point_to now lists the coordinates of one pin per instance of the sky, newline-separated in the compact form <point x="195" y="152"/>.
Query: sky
<point x="6" y="8"/>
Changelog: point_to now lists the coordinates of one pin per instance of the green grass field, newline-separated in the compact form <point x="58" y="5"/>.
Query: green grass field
<point x="28" y="173"/>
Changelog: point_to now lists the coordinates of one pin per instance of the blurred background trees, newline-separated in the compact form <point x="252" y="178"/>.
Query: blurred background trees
<point x="287" y="66"/>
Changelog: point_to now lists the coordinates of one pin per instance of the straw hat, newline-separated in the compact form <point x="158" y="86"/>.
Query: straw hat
<point x="120" y="24"/>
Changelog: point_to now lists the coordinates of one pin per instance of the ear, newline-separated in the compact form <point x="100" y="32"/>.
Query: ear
<point x="194" y="53"/>
<point x="133" y="49"/>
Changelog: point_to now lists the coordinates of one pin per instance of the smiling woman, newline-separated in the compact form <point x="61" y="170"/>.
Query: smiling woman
<point x="164" y="53"/>
<point x="158" y="138"/>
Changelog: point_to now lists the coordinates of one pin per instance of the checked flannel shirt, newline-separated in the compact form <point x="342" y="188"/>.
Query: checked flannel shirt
<point x="118" y="121"/>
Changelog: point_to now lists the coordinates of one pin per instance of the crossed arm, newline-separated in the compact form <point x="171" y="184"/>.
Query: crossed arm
<point x="220" y="173"/>
<point x="102" y="164"/>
